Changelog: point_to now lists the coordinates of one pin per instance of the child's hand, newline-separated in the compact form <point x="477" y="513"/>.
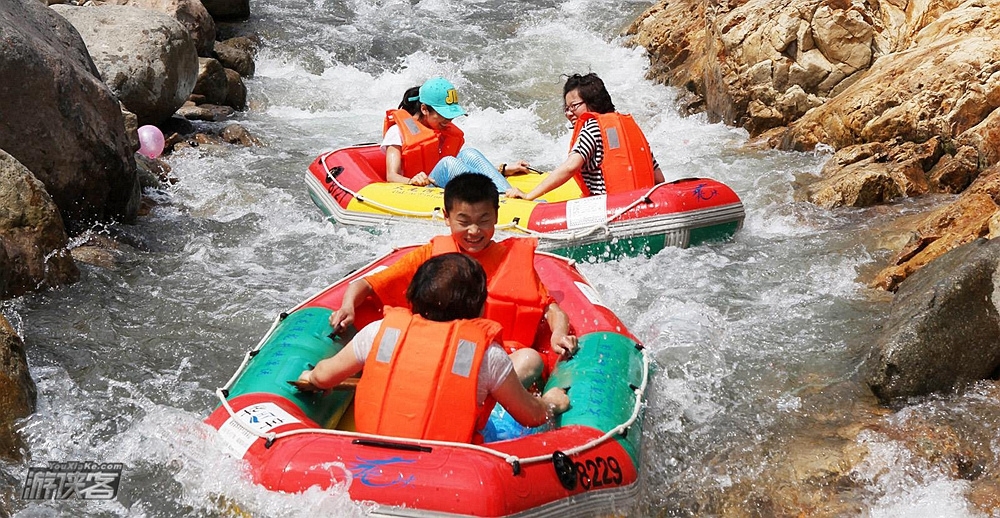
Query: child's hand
<point x="514" y="192"/>
<point x="304" y="383"/>
<point x="420" y="180"/>
<point x="564" y="345"/>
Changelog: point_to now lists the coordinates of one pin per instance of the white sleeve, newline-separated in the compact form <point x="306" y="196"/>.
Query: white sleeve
<point x="495" y="368"/>
<point x="364" y="340"/>
<point x="392" y="137"/>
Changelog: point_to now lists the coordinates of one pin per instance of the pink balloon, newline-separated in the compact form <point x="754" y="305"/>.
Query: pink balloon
<point x="150" y="141"/>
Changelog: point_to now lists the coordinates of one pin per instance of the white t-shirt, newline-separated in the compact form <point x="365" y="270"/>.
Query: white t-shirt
<point x="392" y="137"/>
<point x="495" y="368"/>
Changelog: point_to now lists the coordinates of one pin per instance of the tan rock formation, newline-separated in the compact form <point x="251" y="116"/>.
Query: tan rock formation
<point x="907" y="93"/>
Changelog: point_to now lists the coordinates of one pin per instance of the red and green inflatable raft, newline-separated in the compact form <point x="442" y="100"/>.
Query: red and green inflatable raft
<point x="586" y="463"/>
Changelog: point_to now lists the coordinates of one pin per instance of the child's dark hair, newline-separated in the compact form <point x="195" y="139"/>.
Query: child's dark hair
<point x="470" y="188"/>
<point x="448" y="287"/>
<point x="411" y="100"/>
<point x="591" y="90"/>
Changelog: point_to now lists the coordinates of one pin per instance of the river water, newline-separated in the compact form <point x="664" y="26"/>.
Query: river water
<point x="758" y="342"/>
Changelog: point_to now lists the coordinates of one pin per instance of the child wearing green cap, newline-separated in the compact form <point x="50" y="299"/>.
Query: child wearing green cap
<point x="422" y="146"/>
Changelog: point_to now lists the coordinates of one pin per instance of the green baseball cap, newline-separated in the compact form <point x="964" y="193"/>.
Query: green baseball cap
<point x="440" y="94"/>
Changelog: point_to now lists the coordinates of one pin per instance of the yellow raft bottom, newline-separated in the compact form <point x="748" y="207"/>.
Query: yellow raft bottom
<point x="425" y="202"/>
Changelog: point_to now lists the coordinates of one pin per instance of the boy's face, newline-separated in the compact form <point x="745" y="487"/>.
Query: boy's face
<point x="472" y="224"/>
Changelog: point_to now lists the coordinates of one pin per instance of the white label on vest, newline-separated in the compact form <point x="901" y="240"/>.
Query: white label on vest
<point x="586" y="212"/>
<point x="591" y="294"/>
<point x="262" y="417"/>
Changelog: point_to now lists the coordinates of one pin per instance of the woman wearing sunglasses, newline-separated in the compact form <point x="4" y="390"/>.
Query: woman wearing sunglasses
<point x="608" y="152"/>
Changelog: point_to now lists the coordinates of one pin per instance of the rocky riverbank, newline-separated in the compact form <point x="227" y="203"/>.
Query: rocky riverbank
<point x="906" y="97"/>
<point x="905" y="94"/>
<point x="87" y="77"/>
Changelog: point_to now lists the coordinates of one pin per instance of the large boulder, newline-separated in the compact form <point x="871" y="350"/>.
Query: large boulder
<point x="943" y="330"/>
<point x="190" y="13"/>
<point x="17" y="390"/>
<point x="59" y="119"/>
<point x="33" y="243"/>
<point x="906" y="93"/>
<point x="146" y="57"/>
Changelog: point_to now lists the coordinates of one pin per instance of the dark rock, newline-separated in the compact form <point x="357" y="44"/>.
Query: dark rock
<point x="18" y="394"/>
<point x="943" y="330"/>
<point x="206" y="112"/>
<point x="32" y="235"/>
<point x="237" y="95"/>
<point x="212" y="81"/>
<point x="228" y="10"/>
<point x="237" y="134"/>
<point x="60" y="120"/>
<point x="236" y="58"/>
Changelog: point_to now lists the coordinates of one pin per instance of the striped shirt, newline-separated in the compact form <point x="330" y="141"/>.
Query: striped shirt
<point x="590" y="145"/>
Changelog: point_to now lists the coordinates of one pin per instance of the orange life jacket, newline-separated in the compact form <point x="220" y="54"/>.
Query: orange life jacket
<point x="511" y="295"/>
<point x="628" y="162"/>
<point x="421" y="376"/>
<point x="423" y="147"/>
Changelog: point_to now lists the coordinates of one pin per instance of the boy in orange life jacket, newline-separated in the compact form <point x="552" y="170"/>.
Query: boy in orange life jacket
<point x="435" y="373"/>
<point x="608" y="152"/>
<point x="517" y="299"/>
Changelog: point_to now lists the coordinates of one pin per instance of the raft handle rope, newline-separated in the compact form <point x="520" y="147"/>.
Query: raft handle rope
<point x="513" y="460"/>
<point x="436" y="214"/>
<point x="388" y="208"/>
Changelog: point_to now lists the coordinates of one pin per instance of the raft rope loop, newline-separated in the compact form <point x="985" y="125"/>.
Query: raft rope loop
<point x="515" y="461"/>
<point x="388" y="208"/>
<point x="568" y="235"/>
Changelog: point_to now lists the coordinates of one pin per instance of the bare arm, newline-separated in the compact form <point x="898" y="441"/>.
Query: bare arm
<point x="356" y="292"/>
<point x="394" y="168"/>
<point x="526" y="408"/>
<point x="557" y="177"/>
<point x="331" y="371"/>
<point x="563" y="342"/>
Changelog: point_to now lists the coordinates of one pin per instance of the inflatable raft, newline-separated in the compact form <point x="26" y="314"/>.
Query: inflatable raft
<point x="584" y="463"/>
<point x="349" y="187"/>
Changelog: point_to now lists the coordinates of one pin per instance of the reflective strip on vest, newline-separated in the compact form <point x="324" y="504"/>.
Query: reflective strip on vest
<point x="387" y="346"/>
<point x="464" y="356"/>
<point x="627" y="164"/>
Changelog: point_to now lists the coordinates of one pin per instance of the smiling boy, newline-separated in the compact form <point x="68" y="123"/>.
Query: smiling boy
<point x="516" y="297"/>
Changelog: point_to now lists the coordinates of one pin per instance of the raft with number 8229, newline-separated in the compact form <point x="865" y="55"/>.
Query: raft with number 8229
<point x="583" y="463"/>
<point x="349" y="186"/>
